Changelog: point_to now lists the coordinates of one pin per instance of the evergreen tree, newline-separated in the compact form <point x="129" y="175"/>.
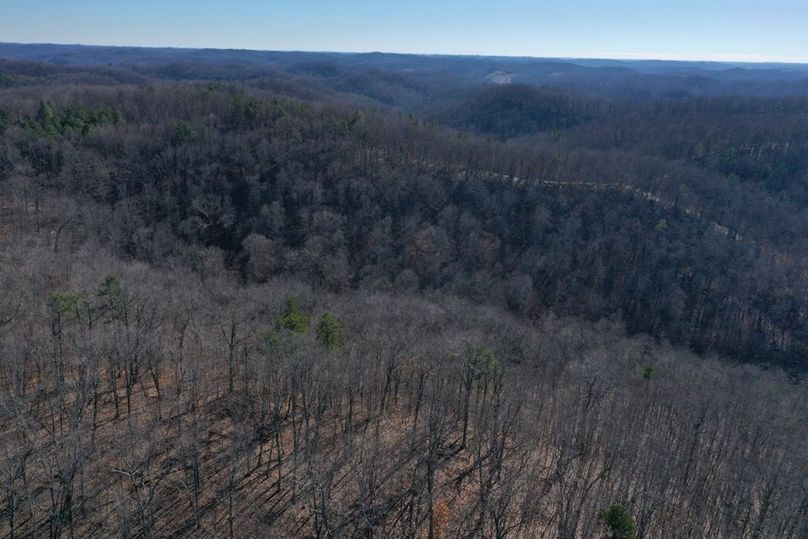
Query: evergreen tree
<point x="619" y="524"/>
<point x="293" y="318"/>
<point x="329" y="332"/>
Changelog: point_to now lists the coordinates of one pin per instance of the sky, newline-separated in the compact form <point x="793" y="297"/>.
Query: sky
<point x="738" y="30"/>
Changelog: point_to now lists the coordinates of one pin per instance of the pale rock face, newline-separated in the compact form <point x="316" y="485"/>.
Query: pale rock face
<point x="500" y="77"/>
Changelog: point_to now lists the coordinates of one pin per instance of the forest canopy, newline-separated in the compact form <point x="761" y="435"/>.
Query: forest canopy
<point x="274" y="294"/>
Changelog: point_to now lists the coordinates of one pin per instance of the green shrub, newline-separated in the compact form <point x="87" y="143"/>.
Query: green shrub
<point x="111" y="293"/>
<point x="619" y="524"/>
<point x="293" y="318"/>
<point x="70" y="305"/>
<point x="329" y="332"/>
<point x="484" y="362"/>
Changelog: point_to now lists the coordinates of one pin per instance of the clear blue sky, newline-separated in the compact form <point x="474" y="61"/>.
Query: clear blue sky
<point x="690" y="29"/>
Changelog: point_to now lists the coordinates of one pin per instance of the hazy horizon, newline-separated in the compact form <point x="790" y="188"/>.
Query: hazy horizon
<point x="628" y="57"/>
<point x="719" y="30"/>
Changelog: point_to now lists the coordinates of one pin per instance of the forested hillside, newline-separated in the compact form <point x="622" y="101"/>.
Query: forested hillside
<point x="349" y="295"/>
<point x="170" y="402"/>
<point x="351" y="199"/>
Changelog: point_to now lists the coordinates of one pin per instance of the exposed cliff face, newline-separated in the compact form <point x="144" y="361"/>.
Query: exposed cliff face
<point x="499" y="77"/>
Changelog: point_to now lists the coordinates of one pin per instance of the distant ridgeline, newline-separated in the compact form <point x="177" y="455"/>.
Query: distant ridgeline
<point x="680" y="207"/>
